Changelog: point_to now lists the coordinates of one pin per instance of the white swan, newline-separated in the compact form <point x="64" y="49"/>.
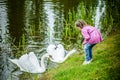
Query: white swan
<point x="58" y="53"/>
<point x="29" y="63"/>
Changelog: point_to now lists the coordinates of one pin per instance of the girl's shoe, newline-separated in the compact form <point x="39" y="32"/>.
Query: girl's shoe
<point x="87" y="62"/>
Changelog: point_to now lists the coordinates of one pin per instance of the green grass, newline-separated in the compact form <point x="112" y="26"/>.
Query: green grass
<point x="105" y="65"/>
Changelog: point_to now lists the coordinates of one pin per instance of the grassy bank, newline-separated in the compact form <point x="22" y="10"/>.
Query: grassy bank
<point x="105" y="65"/>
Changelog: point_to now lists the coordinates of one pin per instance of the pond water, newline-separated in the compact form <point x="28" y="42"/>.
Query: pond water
<point x="38" y="23"/>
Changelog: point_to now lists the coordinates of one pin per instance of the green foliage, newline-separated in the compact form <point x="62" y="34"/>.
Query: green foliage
<point x="32" y="30"/>
<point x="107" y="24"/>
<point x="85" y="14"/>
<point x="29" y="76"/>
<point x="70" y="34"/>
<point x="22" y="46"/>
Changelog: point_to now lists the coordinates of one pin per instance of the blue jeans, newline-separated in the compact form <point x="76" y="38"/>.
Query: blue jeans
<point x="88" y="51"/>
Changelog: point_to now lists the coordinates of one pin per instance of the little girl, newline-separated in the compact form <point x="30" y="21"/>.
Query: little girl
<point x="91" y="37"/>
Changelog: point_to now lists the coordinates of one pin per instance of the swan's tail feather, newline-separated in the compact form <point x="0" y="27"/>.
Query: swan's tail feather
<point x="15" y="61"/>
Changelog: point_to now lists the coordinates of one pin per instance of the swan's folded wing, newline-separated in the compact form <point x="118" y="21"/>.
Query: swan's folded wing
<point x="60" y="53"/>
<point x="50" y="49"/>
<point x="25" y="63"/>
<point x="34" y="60"/>
<point x="23" y="57"/>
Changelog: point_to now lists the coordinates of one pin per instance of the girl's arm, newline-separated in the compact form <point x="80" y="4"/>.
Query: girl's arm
<point x="86" y="36"/>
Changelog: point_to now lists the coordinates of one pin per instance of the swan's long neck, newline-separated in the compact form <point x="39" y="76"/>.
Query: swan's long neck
<point x="42" y="61"/>
<point x="68" y="54"/>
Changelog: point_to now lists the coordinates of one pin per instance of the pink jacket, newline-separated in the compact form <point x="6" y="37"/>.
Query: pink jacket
<point x="91" y="35"/>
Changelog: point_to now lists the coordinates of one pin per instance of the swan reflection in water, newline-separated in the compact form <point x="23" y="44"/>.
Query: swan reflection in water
<point x="57" y="53"/>
<point x="29" y="63"/>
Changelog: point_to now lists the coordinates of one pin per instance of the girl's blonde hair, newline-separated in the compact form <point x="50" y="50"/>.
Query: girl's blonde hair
<point x="80" y="23"/>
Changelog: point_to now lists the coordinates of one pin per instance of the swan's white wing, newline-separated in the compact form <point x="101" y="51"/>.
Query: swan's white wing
<point x="25" y="63"/>
<point x="23" y="57"/>
<point x="33" y="59"/>
<point x="22" y="62"/>
<point x="60" y="51"/>
<point x="50" y="49"/>
<point x="28" y="63"/>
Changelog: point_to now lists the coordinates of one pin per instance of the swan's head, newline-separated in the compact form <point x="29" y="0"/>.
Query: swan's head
<point x="51" y="58"/>
<point x="47" y="56"/>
